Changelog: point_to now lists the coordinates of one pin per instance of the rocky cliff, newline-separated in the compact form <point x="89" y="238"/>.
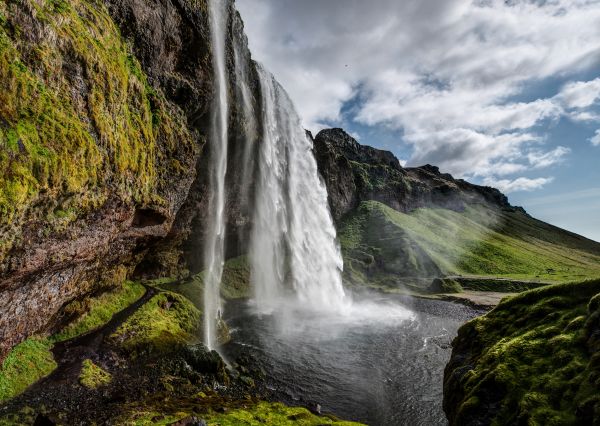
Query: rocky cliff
<point x="354" y="173"/>
<point x="104" y="108"/>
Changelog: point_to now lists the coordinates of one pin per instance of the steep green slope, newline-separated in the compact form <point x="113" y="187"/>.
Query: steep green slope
<point x="385" y="247"/>
<point x="534" y="359"/>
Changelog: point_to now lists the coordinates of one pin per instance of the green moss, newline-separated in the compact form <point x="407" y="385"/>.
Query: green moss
<point x="85" y="139"/>
<point x="272" y="414"/>
<point x="164" y="322"/>
<point x="28" y="362"/>
<point x="99" y="310"/>
<point x="536" y="352"/>
<point x="382" y="246"/>
<point x="250" y="413"/>
<point x="92" y="376"/>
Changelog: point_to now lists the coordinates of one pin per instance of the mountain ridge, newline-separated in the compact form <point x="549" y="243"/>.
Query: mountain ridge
<point x="482" y="234"/>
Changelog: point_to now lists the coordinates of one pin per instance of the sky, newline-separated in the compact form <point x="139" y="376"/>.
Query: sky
<point x="501" y="93"/>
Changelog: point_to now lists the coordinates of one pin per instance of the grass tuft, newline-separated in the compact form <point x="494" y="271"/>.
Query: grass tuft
<point x="92" y="376"/>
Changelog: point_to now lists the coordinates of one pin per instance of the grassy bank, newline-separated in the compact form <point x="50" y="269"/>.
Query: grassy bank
<point x="533" y="360"/>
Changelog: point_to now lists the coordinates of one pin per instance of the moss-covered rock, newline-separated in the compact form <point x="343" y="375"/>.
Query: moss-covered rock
<point x="92" y="152"/>
<point x="93" y="376"/>
<point x="167" y="321"/>
<point x="532" y="360"/>
<point x="445" y="285"/>
<point x="93" y="125"/>
<point x="28" y="362"/>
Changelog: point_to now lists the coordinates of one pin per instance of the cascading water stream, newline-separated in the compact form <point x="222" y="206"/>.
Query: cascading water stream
<point x="293" y="243"/>
<point x="243" y="96"/>
<point x="215" y="238"/>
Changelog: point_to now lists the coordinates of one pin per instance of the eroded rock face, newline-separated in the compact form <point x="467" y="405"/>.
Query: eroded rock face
<point x="127" y="218"/>
<point x="354" y="173"/>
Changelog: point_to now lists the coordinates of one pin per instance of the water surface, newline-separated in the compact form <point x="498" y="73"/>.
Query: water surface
<point x="377" y="367"/>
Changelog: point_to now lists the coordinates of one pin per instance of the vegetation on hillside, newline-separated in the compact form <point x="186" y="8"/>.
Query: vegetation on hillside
<point x="383" y="246"/>
<point x="534" y="359"/>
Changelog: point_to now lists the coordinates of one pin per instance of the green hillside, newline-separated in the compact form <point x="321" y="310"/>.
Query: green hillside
<point x="384" y="247"/>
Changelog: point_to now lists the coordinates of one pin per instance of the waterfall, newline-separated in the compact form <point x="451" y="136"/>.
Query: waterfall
<point x="293" y="246"/>
<point x="243" y="96"/>
<point x="215" y="229"/>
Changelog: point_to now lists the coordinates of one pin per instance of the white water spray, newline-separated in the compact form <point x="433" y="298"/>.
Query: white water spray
<point x="215" y="237"/>
<point x="293" y="240"/>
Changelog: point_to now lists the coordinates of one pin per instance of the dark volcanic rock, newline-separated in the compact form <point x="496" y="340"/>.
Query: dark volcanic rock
<point x="354" y="173"/>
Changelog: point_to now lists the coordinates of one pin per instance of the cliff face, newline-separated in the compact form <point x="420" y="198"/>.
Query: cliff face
<point x="104" y="108"/>
<point x="354" y="173"/>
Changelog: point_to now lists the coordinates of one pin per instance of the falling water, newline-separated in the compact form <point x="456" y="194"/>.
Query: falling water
<point x="243" y="96"/>
<point x="293" y="242"/>
<point x="215" y="238"/>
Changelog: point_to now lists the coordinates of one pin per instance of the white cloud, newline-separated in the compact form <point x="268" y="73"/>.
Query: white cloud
<point x="540" y="159"/>
<point x="443" y="73"/>
<point x="595" y="140"/>
<point x="580" y="94"/>
<point x="519" y="184"/>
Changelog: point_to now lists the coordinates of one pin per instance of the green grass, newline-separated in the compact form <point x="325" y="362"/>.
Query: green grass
<point x="92" y="376"/>
<point x="26" y="363"/>
<point x="381" y="246"/>
<point x="535" y="359"/>
<point x="99" y="310"/>
<point x="164" y="322"/>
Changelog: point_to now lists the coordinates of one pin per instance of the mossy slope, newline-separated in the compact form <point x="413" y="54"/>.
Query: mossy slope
<point x="166" y="321"/>
<point x="78" y="119"/>
<point x="97" y="311"/>
<point x="381" y="246"/>
<point x="533" y="360"/>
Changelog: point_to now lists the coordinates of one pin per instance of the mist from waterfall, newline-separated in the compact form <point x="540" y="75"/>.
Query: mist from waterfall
<point x="215" y="229"/>
<point x="293" y="247"/>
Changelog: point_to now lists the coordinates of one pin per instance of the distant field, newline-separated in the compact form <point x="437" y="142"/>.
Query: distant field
<point x="386" y="248"/>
